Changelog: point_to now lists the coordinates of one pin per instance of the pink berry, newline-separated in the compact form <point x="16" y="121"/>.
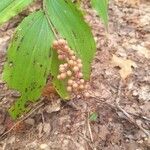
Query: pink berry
<point x="63" y="76"/>
<point x="73" y="57"/>
<point x="71" y="62"/>
<point x="66" y="48"/>
<point x="79" y="61"/>
<point x="60" y="57"/>
<point x="55" y="44"/>
<point x="62" y="42"/>
<point x="70" y="82"/>
<point x="82" y="81"/>
<point x="75" y="85"/>
<point x="81" y="87"/>
<point x="69" y="73"/>
<point x="65" y="65"/>
<point x="80" y="75"/>
<point x="69" y="88"/>
<point x="62" y="69"/>
<point x="75" y="69"/>
<point x="71" y="52"/>
<point x="59" y="52"/>
<point x="80" y="65"/>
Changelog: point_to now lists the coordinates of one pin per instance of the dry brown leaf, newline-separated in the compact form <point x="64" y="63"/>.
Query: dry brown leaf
<point x="49" y="90"/>
<point x="125" y="65"/>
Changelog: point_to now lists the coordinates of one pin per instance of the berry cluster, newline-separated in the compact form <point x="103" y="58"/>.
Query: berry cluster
<point x="71" y="69"/>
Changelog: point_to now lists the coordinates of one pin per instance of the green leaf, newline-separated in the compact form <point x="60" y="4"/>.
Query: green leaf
<point x="93" y="116"/>
<point x="28" y="60"/>
<point x="59" y="85"/>
<point x="10" y="8"/>
<point x="101" y="6"/>
<point x="70" y="24"/>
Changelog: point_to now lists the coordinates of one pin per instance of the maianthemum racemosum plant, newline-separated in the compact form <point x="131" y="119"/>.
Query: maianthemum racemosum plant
<point x="53" y="41"/>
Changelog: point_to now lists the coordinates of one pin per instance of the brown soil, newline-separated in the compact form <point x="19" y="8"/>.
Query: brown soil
<point x="122" y="105"/>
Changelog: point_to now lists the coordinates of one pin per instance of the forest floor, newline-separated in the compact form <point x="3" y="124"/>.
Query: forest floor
<point x="120" y="91"/>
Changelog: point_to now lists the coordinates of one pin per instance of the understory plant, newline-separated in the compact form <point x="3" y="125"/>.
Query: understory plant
<point x="54" y="41"/>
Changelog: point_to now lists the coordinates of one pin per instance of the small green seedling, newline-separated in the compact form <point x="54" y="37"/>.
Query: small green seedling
<point x="93" y="117"/>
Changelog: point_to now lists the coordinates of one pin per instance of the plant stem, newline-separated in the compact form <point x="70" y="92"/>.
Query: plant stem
<point x="49" y="21"/>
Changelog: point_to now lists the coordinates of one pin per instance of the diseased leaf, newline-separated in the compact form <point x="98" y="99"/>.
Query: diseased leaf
<point x="125" y="65"/>
<point x="10" y="8"/>
<point x="28" y="60"/>
<point x="70" y="24"/>
<point x="101" y="6"/>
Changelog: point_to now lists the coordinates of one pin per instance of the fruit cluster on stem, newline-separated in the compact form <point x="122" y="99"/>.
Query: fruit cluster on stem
<point x="71" y="69"/>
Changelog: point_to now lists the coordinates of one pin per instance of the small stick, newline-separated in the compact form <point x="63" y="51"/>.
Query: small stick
<point x="130" y="119"/>
<point x="139" y="116"/>
<point x="89" y="127"/>
<point x="87" y="140"/>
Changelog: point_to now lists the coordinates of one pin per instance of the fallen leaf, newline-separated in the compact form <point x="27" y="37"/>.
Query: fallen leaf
<point x="125" y="65"/>
<point x="53" y="107"/>
<point x="49" y="90"/>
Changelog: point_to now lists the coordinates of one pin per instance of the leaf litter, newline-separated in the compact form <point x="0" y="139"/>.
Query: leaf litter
<point x="110" y="131"/>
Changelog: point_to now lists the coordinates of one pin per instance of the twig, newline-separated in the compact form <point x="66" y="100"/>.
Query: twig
<point x="139" y="116"/>
<point x="89" y="127"/>
<point x="87" y="140"/>
<point x="130" y="119"/>
<point x="17" y="123"/>
<point x="43" y="119"/>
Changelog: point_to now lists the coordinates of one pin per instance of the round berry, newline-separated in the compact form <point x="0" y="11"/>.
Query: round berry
<point x="82" y="81"/>
<point x="80" y="75"/>
<point x="61" y="69"/>
<point x="55" y="44"/>
<point x="79" y="61"/>
<point x="69" y="73"/>
<point x="65" y="65"/>
<point x="80" y="65"/>
<point x="75" y="63"/>
<point x="75" y="69"/>
<point x="60" y="57"/>
<point x="70" y="82"/>
<point x="63" y="76"/>
<point x="73" y="57"/>
<point x="71" y="62"/>
<point x="62" y="42"/>
<point x="75" y="85"/>
<point x="66" y="48"/>
<point x="59" y="52"/>
<point x="71" y="52"/>
<point x="69" y="88"/>
<point x="61" y="65"/>
<point x="81" y="87"/>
